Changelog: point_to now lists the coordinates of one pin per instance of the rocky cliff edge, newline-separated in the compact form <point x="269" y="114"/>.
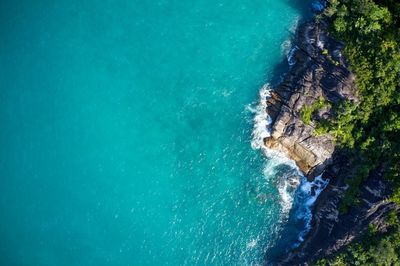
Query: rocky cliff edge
<point x="319" y="72"/>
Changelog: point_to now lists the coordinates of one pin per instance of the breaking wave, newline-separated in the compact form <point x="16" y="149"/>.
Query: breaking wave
<point x="262" y="120"/>
<point x="297" y="194"/>
<point x="306" y="197"/>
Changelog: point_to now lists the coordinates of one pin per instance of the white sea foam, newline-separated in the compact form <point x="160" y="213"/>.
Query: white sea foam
<point x="293" y="187"/>
<point x="285" y="176"/>
<point x="295" y="25"/>
<point x="252" y="243"/>
<point x="320" y="45"/>
<point x="286" y="47"/>
<point x="286" y="181"/>
<point x="262" y="121"/>
<point x="290" y="56"/>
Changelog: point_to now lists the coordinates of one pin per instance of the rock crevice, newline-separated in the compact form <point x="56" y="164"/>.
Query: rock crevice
<point x="313" y="76"/>
<point x="318" y="71"/>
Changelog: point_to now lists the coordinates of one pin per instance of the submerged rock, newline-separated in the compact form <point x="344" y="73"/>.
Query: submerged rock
<point x="331" y="230"/>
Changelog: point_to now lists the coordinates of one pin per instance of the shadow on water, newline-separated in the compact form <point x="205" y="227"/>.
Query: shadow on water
<point x="289" y="235"/>
<point x="304" y="7"/>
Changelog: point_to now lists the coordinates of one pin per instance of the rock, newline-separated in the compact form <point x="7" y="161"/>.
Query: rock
<point x="312" y="76"/>
<point x="332" y="231"/>
<point x="319" y="71"/>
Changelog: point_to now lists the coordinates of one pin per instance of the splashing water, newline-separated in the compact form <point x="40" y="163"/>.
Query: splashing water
<point x="297" y="194"/>
<point x="278" y="167"/>
<point x="262" y="120"/>
<point x="126" y="141"/>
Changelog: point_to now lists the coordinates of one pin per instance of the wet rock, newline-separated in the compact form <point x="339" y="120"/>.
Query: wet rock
<point x="313" y="76"/>
<point x="332" y="231"/>
<point x="320" y="71"/>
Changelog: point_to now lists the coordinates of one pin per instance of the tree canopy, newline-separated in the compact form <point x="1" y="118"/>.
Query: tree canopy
<point x="370" y="129"/>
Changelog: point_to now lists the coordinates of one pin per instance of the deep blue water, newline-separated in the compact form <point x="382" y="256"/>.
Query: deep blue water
<point x="126" y="131"/>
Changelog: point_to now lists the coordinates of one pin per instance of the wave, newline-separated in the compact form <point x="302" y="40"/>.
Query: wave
<point x="285" y="175"/>
<point x="284" y="171"/>
<point x="262" y="121"/>
<point x="290" y="56"/>
<point x="306" y="196"/>
<point x="288" y="48"/>
<point x="297" y="194"/>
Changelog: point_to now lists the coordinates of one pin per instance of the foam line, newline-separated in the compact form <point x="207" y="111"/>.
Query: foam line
<point x="294" y="189"/>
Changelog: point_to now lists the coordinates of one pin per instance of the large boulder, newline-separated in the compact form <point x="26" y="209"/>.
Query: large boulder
<point x="316" y="72"/>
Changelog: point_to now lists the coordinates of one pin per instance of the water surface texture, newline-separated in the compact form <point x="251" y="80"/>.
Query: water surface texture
<point x="126" y="131"/>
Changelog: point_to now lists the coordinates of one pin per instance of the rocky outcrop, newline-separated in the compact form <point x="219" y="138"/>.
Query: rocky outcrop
<point x="318" y="71"/>
<point x="333" y="231"/>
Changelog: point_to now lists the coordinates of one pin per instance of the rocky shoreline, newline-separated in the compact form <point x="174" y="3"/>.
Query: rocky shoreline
<point x="313" y="76"/>
<point x="319" y="72"/>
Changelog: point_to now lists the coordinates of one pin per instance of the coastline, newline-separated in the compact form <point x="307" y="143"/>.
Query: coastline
<point x="318" y="70"/>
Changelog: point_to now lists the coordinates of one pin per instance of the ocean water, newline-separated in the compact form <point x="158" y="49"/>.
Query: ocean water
<point x="127" y="128"/>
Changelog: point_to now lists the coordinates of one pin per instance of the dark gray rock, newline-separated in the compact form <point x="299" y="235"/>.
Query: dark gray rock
<point x="333" y="231"/>
<point x="319" y="70"/>
<point x="313" y="75"/>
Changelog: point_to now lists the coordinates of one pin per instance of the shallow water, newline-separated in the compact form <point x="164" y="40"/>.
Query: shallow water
<point x="126" y="131"/>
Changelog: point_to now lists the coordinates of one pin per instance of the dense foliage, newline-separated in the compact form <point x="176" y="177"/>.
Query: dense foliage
<point x="374" y="249"/>
<point x="308" y="110"/>
<point x="370" y="128"/>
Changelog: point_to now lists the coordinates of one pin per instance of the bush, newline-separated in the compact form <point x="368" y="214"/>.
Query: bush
<point x="371" y="129"/>
<point x="371" y="32"/>
<point x="307" y="112"/>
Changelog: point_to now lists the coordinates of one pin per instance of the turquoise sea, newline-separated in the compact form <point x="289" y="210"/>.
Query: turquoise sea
<point x="126" y="131"/>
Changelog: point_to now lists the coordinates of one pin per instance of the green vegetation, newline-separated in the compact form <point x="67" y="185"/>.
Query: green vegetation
<point x="369" y="129"/>
<point x="307" y="111"/>
<point x="373" y="249"/>
<point x="325" y="52"/>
